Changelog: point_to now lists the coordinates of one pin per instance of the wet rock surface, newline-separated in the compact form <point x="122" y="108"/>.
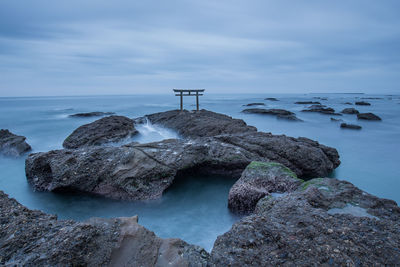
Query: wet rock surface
<point x="350" y="126"/>
<point x="104" y="130"/>
<point x="12" y="144"/>
<point x="144" y="171"/>
<point x="308" y="103"/>
<point x="303" y="228"/>
<point x="258" y="180"/>
<point x="368" y="116"/>
<point x="33" y="238"/>
<point x="279" y="113"/>
<point x="254" y="104"/>
<point x="362" y="103"/>
<point x="91" y="114"/>
<point x="350" y="111"/>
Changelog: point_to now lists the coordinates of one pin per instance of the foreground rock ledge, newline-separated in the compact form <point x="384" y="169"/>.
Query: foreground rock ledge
<point x="144" y="171"/>
<point x="33" y="238"/>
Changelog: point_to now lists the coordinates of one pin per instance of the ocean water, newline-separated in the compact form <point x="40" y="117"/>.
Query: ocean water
<point x="195" y="208"/>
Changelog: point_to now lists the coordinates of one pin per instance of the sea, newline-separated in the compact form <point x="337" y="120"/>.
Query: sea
<point x="195" y="208"/>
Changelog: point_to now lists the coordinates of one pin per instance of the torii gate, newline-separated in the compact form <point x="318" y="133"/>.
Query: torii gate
<point x="189" y="92"/>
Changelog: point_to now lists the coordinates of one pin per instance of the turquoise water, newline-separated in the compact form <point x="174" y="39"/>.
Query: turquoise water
<point x="195" y="208"/>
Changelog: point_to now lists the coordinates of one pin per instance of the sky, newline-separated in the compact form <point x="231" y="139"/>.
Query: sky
<point x="96" y="47"/>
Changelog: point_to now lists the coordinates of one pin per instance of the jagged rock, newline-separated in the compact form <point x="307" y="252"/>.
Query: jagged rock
<point x="271" y="99"/>
<point x="350" y="126"/>
<point x="144" y="171"/>
<point x="255" y="104"/>
<point x="258" y="180"/>
<point x="324" y="222"/>
<point x="350" y="111"/>
<point x="362" y="103"/>
<point x="308" y="102"/>
<point x="91" y="114"/>
<point x="11" y="144"/>
<point x="280" y="113"/>
<point x="368" y="116"/>
<point x="33" y="238"/>
<point x="104" y="130"/>
<point x="199" y="124"/>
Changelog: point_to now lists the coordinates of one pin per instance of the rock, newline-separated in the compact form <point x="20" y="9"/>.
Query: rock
<point x="362" y="103"/>
<point x="350" y="111"/>
<point x="321" y="98"/>
<point x="199" y="124"/>
<point x="321" y="109"/>
<point x="280" y="113"/>
<point x="92" y="114"/>
<point x="11" y="144"/>
<point x="334" y="119"/>
<point x="348" y="103"/>
<point x="368" y="116"/>
<point x="376" y="98"/>
<point x="33" y="238"/>
<point x="324" y="222"/>
<point x="350" y="126"/>
<point x="255" y="104"/>
<point x="144" y="171"/>
<point x="258" y="180"/>
<point x="308" y="102"/>
<point x="105" y="130"/>
<point x="271" y="99"/>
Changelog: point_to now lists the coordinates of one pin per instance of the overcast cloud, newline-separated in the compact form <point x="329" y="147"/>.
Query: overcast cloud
<point x="75" y="47"/>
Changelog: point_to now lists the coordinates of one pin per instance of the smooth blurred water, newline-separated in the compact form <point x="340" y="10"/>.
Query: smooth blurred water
<point x="195" y="208"/>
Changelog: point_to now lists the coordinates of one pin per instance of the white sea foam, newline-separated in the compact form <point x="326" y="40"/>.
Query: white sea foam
<point x="149" y="132"/>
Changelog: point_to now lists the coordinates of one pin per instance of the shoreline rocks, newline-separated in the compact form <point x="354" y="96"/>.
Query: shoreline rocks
<point x="12" y="144"/>
<point x="368" y="116"/>
<point x="102" y="131"/>
<point x="91" y="114"/>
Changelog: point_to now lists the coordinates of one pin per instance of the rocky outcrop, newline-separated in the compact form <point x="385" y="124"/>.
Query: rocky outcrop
<point x="258" y="180"/>
<point x="279" y="113"/>
<point x="308" y="103"/>
<point x="199" y="124"/>
<point x="11" y="144"/>
<point x="254" y="104"/>
<point x="321" y="109"/>
<point x="324" y="222"/>
<point x="350" y="111"/>
<point x="144" y="171"/>
<point x="271" y="99"/>
<point x="368" y="116"/>
<point x="350" y="126"/>
<point x="105" y="130"/>
<point x="91" y="114"/>
<point x="32" y="238"/>
<point x="363" y="103"/>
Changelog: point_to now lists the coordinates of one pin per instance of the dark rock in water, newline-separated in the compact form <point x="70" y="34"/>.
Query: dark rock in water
<point x="321" y="98"/>
<point x="105" y="130"/>
<point x="368" y="116"/>
<point x="376" y="98"/>
<point x="11" y="144"/>
<point x="199" y="124"/>
<point x="324" y="222"/>
<point x="350" y="111"/>
<point x="288" y="117"/>
<point x="362" y="103"/>
<point x="308" y="102"/>
<point x="348" y="103"/>
<point x="258" y="180"/>
<point x="144" y="171"/>
<point x="255" y="104"/>
<point x="271" y="99"/>
<point x="350" y="126"/>
<point x="92" y="114"/>
<point x="321" y="109"/>
<point x="268" y="111"/>
<point x="334" y="119"/>
<point x="33" y="238"/>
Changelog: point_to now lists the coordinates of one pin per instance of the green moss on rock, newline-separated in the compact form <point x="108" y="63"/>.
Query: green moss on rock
<point x="259" y="165"/>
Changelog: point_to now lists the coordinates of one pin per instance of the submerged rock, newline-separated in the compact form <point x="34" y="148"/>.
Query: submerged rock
<point x="350" y="111"/>
<point x="307" y="102"/>
<point x="348" y="103"/>
<point x="258" y="180"/>
<point x="144" y="171"/>
<point x="11" y="144"/>
<point x="33" y="238"/>
<point x="280" y="113"/>
<point x="362" y="103"/>
<point x="334" y="119"/>
<point x="304" y="228"/>
<point x="271" y="99"/>
<point x="255" y="104"/>
<point x="350" y="126"/>
<point x="91" y="114"/>
<point x="368" y="116"/>
<point x="105" y="130"/>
